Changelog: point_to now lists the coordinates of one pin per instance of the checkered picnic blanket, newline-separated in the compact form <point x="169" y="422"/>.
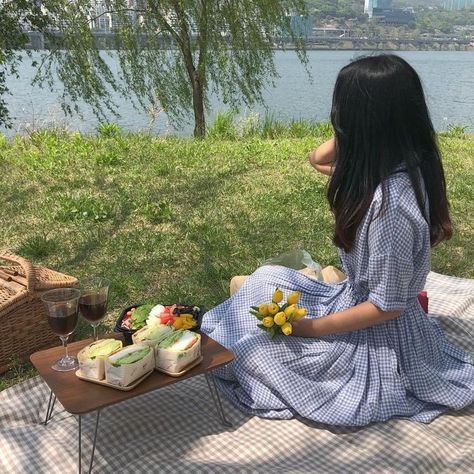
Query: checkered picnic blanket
<point x="176" y="429"/>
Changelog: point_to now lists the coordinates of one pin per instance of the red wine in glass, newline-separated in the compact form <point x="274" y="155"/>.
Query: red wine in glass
<point x="93" y="307"/>
<point x="62" y="306"/>
<point x="63" y="325"/>
<point x="93" y="301"/>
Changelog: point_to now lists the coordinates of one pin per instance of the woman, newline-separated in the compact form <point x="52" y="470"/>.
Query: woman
<point x="367" y="352"/>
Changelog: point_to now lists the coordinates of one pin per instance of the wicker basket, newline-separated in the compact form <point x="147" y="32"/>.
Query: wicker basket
<point x="24" y="324"/>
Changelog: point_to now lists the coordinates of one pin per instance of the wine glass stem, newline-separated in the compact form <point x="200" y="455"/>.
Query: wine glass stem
<point x="64" y="339"/>
<point x="95" y="331"/>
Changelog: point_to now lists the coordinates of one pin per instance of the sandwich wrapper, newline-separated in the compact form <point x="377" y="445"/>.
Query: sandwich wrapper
<point x="92" y="357"/>
<point x="178" y="350"/>
<point x="152" y="335"/>
<point x="129" y="364"/>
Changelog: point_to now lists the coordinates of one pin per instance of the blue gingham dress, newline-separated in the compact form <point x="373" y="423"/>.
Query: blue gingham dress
<point x="401" y="368"/>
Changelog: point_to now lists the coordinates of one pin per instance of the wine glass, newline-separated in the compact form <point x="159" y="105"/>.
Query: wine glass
<point x="62" y="307"/>
<point x="93" y="300"/>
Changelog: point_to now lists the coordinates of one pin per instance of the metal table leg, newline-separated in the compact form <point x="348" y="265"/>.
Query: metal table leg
<point x="80" y="443"/>
<point x="95" y="439"/>
<point x="49" y="410"/>
<point x="216" y="398"/>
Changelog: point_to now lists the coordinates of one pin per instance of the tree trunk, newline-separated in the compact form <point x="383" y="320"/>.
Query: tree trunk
<point x="198" y="105"/>
<point x="196" y="78"/>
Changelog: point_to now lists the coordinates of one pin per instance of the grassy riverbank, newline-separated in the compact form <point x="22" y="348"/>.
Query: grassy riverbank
<point x="169" y="219"/>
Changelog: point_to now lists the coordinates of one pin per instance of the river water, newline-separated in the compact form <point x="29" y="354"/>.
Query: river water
<point x="447" y="76"/>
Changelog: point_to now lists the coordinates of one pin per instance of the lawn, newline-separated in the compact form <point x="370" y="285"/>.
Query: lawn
<point x="173" y="219"/>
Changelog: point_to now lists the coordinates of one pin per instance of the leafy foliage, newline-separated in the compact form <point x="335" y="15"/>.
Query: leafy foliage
<point x="435" y="21"/>
<point x="172" y="54"/>
<point x="223" y="126"/>
<point x="431" y="17"/>
<point x="157" y="213"/>
<point x="38" y="246"/>
<point x="13" y="16"/>
<point x="83" y="207"/>
<point x="227" y="126"/>
<point x="109" y="130"/>
<point x="456" y="131"/>
<point x="343" y="9"/>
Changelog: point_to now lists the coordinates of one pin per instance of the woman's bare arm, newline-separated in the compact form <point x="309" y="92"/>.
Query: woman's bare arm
<point x="324" y="169"/>
<point x="322" y="157"/>
<point x="361" y="316"/>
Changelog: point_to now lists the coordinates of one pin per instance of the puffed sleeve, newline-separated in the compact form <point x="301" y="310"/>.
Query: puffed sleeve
<point x="392" y="246"/>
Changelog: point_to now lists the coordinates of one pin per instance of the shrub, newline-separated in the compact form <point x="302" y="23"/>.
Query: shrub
<point x="455" y="131"/>
<point x="223" y="126"/>
<point x="157" y="213"/>
<point x="109" y="130"/>
<point x="109" y="158"/>
<point x="37" y="246"/>
<point x="85" y="207"/>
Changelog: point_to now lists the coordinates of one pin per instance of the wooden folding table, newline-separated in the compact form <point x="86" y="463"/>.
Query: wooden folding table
<point x="80" y="397"/>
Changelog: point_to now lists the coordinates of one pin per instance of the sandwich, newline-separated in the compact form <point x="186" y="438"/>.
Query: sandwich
<point x="152" y="335"/>
<point x="178" y="350"/>
<point x="129" y="364"/>
<point x="91" y="358"/>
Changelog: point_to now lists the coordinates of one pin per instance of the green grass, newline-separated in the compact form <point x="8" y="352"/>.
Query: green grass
<point x="170" y="219"/>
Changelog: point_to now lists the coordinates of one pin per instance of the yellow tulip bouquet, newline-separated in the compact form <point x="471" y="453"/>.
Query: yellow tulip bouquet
<point x="277" y="319"/>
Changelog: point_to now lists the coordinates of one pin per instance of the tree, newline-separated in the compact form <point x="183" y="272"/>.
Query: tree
<point x="14" y="15"/>
<point x="340" y="9"/>
<point x="174" y="53"/>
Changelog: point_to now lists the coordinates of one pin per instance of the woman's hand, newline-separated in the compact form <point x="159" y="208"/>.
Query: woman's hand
<point x="302" y="328"/>
<point x="322" y="158"/>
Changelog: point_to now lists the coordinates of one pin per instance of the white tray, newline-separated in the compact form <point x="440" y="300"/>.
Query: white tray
<point x="111" y="385"/>
<point x="183" y="371"/>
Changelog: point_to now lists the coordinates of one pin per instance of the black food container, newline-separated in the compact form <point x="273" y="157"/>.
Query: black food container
<point x="127" y="333"/>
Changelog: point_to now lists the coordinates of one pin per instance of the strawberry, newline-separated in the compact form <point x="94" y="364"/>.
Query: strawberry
<point x="166" y="316"/>
<point x="126" y="321"/>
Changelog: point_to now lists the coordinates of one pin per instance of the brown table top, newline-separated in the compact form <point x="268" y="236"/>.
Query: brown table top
<point x="79" y="396"/>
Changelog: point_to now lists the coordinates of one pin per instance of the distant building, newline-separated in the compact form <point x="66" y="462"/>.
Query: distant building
<point x="369" y="5"/>
<point x="394" y="16"/>
<point x="99" y="18"/>
<point x="458" y="4"/>
<point x="102" y="20"/>
<point x="383" y="11"/>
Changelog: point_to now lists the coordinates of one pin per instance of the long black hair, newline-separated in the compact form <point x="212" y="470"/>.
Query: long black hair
<point x="381" y="121"/>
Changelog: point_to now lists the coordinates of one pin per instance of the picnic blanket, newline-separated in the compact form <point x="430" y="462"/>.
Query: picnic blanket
<point x="176" y="429"/>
